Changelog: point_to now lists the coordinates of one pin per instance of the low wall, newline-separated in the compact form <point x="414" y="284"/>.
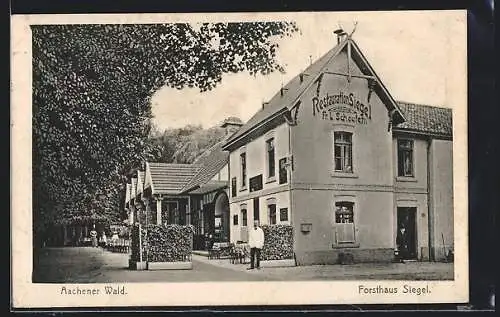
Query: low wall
<point x="340" y="256"/>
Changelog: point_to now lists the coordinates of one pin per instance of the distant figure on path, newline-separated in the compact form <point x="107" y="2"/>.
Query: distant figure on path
<point x="256" y="242"/>
<point x="104" y="240"/>
<point x="93" y="236"/>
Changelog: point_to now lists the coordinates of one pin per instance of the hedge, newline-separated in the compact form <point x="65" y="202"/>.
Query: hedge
<point x="278" y="242"/>
<point x="162" y="243"/>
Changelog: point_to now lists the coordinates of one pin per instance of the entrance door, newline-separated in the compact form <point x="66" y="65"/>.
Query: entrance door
<point x="406" y="238"/>
<point x="222" y="228"/>
<point x="256" y="210"/>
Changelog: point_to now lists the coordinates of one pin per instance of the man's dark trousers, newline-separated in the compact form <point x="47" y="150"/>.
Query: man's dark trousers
<point x="254" y="253"/>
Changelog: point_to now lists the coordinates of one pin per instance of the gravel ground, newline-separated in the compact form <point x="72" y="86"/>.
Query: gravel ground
<point x="94" y="265"/>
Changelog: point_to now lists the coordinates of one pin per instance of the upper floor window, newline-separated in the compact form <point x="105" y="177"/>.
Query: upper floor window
<point x="255" y="183"/>
<point x="270" y="158"/>
<point x="405" y="157"/>
<point x="283" y="175"/>
<point x="343" y="152"/>
<point x="233" y="187"/>
<point x="243" y="163"/>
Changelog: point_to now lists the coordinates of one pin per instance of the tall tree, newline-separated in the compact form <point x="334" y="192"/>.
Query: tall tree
<point x="92" y="86"/>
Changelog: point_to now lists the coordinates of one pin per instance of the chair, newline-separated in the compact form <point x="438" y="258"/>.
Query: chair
<point x="214" y="252"/>
<point x="239" y="254"/>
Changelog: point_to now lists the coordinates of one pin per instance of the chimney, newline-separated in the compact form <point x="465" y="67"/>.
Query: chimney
<point x="282" y="91"/>
<point x="341" y="34"/>
<point x="264" y="104"/>
<point x="231" y="125"/>
<point x="301" y="77"/>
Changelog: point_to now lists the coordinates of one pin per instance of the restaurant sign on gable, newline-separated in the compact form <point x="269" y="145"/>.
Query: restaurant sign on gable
<point x="341" y="107"/>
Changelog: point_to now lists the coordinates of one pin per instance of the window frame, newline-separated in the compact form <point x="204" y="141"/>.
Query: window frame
<point x="270" y="162"/>
<point x="244" y="216"/>
<point x="243" y="170"/>
<point x="343" y="145"/>
<point x="287" y="217"/>
<point x="234" y="189"/>
<point x="400" y="151"/>
<point x="340" y="241"/>
<point x="283" y="180"/>
<point x="269" y="211"/>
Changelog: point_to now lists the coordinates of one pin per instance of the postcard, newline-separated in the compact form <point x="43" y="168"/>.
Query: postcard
<point x="233" y="159"/>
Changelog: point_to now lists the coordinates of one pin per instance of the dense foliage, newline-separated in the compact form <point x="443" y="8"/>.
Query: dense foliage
<point x="183" y="145"/>
<point x="278" y="242"/>
<point x="92" y="86"/>
<point x="170" y="243"/>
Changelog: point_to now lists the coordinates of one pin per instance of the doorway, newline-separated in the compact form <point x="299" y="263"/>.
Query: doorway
<point x="256" y="210"/>
<point x="221" y="218"/>
<point x="406" y="238"/>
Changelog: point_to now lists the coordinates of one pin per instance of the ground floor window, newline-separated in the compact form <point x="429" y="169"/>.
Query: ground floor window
<point x="272" y="214"/>
<point x="344" y="221"/>
<point x="283" y="214"/>
<point x="244" y="217"/>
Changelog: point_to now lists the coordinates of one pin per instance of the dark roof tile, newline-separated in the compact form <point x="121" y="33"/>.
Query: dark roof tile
<point x="426" y="119"/>
<point x="168" y="178"/>
<point x="211" y="162"/>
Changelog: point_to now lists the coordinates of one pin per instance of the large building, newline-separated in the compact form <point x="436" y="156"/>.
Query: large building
<point x="334" y="155"/>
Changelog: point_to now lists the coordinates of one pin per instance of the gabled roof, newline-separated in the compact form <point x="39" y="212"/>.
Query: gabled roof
<point x="426" y="119"/>
<point x="294" y="89"/>
<point x="210" y="162"/>
<point x="169" y="178"/>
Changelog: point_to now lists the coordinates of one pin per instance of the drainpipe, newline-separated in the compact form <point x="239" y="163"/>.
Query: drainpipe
<point x="430" y="210"/>
<point x="290" y="186"/>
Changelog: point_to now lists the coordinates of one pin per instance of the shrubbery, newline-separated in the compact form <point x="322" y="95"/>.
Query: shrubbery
<point x="162" y="243"/>
<point x="278" y="242"/>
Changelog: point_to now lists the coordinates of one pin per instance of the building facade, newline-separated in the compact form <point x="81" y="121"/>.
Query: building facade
<point x="352" y="170"/>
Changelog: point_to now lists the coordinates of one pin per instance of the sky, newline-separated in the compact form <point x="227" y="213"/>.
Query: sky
<point x="419" y="56"/>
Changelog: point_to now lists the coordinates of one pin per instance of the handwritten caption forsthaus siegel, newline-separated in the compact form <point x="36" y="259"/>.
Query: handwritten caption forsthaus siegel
<point x="405" y="289"/>
<point x="93" y="291"/>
